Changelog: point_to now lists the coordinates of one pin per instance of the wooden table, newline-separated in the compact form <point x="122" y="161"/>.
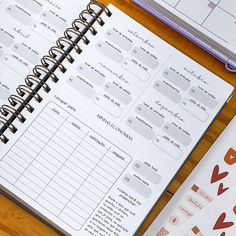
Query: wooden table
<point x="15" y="221"/>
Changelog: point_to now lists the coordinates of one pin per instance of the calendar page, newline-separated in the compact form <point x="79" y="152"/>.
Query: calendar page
<point x="204" y="16"/>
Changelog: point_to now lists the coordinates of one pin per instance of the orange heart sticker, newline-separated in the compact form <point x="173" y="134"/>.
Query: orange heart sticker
<point x="234" y="210"/>
<point x="230" y="157"/>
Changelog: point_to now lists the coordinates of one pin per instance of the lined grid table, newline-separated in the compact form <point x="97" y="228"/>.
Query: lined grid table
<point x="64" y="165"/>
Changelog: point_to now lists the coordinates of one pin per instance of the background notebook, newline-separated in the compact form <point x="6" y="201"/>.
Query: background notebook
<point x="210" y="24"/>
<point x="100" y="141"/>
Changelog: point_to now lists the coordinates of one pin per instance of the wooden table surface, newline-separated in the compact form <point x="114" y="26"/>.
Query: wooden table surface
<point x="15" y="221"/>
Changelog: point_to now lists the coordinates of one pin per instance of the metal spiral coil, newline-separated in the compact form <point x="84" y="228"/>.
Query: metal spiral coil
<point x="73" y="32"/>
<point x="14" y="100"/>
<point x="45" y="71"/>
<point x="46" y="60"/>
<point x="64" y="40"/>
<point x="22" y="90"/>
<point x="100" y="5"/>
<point x="6" y="110"/>
<point x="84" y="13"/>
<point x="30" y="80"/>
<point x="77" y="23"/>
<point x="10" y="126"/>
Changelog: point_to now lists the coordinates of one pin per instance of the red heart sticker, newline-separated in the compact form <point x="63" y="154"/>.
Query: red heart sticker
<point x="221" y="223"/>
<point x="221" y="189"/>
<point x="216" y="175"/>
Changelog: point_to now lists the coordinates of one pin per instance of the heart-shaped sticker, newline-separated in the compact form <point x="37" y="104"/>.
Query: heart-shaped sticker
<point x="216" y="175"/>
<point x="221" y="223"/>
<point x="221" y="189"/>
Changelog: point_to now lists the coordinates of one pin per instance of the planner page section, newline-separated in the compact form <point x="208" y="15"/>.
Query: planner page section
<point x="204" y="15"/>
<point x="102" y="146"/>
<point x="28" y="28"/>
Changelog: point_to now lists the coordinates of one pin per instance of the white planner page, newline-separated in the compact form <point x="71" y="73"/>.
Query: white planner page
<point x="214" y="18"/>
<point x="100" y="149"/>
<point x="28" y="28"/>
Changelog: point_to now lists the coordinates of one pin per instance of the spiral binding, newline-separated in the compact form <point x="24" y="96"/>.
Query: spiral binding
<point x="45" y="71"/>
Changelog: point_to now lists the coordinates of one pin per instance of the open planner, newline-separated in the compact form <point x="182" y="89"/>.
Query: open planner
<point x="208" y="23"/>
<point x="98" y="128"/>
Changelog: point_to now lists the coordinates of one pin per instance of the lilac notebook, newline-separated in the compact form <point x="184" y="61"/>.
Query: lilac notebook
<point x="163" y="14"/>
